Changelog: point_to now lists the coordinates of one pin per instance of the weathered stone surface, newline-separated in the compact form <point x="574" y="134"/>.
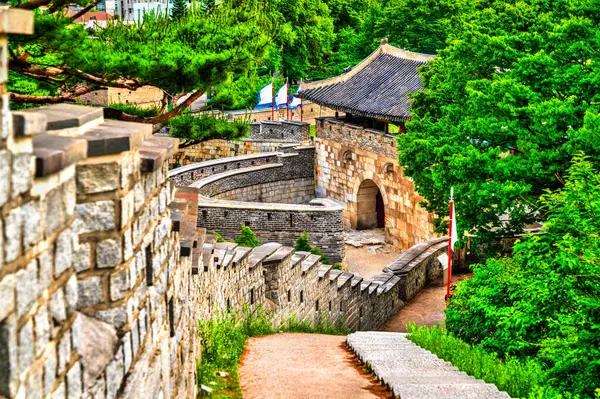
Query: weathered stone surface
<point x="54" y="211"/>
<point x="89" y="292"/>
<point x="7" y="296"/>
<point x="4" y="176"/>
<point x="63" y="256"/>
<point x="13" y="225"/>
<point x="82" y="257"/>
<point x="50" y="372"/>
<point x="27" y="288"/>
<point x="117" y="316"/>
<point x="45" y="270"/>
<point x="96" y="216"/>
<point x="98" y="344"/>
<point x="71" y="294"/>
<point x="74" y="383"/>
<point x="58" y="307"/>
<point x="42" y="329"/>
<point x="8" y="357"/>
<point x="114" y="377"/>
<point x="119" y="284"/>
<point x="67" y="116"/>
<point x="34" y="385"/>
<point x="28" y="123"/>
<point x="60" y="392"/>
<point x="32" y="228"/>
<point x="108" y="253"/>
<point x="26" y="346"/>
<point x="97" y="178"/>
<point x="22" y="172"/>
<point x="64" y="352"/>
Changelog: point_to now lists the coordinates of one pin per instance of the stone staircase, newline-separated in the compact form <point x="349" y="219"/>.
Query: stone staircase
<point x="412" y="372"/>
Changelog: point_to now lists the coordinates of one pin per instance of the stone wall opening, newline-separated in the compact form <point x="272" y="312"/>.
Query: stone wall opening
<point x="370" y="206"/>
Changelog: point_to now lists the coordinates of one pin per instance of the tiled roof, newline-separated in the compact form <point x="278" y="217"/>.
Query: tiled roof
<point x="376" y="88"/>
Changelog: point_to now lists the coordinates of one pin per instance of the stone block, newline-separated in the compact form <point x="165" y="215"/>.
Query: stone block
<point x="108" y="253"/>
<point x="89" y="292"/>
<point x="26" y="346"/>
<point x="7" y="296"/>
<point x="96" y="350"/>
<point x="32" y="227"/>
<point x="71" y="294"/>
<point x="74" y="383"/>
<point x="8" y="357"/>
<point x="114" y="376"/>
<point x="98" y="177"/>
<point x="22" y="173"/>
<point x="60" y="392"/>
<point x="64" y="352"/>
<point x="96" y="216"/>
<point x="69" y="193"/>
<point x="119" y="284"/>
<point x="54" y="153"/>
<point x="63" y="255"/>
<point x="27" y="288"/>
<point x="68" y="116"/>
<point x="13" y="225"/>
<point x="34" y="385"/>
<point x="44" y="270"/>
<point x="117" y="316"/>
<point x="4" y="176"/>
<point x="50" y="372"/>
<point x="42" y="330"/>
<point x="58" y="307"/>
<point x="28" y="123"/>
<point x="54" y="212"/>
<point x="82" y="258"/>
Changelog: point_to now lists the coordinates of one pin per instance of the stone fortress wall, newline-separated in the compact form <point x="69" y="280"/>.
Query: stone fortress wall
<point x="272" y="193"/>
<point x="104" y="271"/>
<point x="353" y="163"/>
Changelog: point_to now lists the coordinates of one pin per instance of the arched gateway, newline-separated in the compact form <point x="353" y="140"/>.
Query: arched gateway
<point x="370" y="206"/>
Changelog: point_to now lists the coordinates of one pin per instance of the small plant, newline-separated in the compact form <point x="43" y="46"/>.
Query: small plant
<point x="247" y="238"/>
<point x="303" y="245"/>
<point x="218" y="236"/>
<point x="337" y="266"/>
<point x="133" y="109"/>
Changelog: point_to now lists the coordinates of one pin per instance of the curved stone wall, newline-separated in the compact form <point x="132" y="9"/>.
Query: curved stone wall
<point x="232" y="191"/>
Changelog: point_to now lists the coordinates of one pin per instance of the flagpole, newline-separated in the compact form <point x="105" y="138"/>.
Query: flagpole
<point x="450" y="244"/>
<point x="273" y="98"/>
<point x="287" y="99"/>
<point x="301" y="107"/>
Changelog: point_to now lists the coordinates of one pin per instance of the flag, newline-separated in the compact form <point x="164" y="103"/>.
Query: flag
<point x="265" y="96"/>
<point x="296" y="102"/>
<point x="281" y="98"/>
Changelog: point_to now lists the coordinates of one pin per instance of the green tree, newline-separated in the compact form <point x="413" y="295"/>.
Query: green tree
<point x="193" y="53"/>
<point x="504" y="108"/>
<point x="247" y="238"/>
<point x="302" y="243"/>
<point x="421" y="25"/>
<point x="179" y="9"/>
<point x="544" y="301"/>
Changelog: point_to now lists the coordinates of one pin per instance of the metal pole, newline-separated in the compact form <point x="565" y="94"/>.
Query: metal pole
<point x="273" y="99"/>
<point x="450" y="244"/>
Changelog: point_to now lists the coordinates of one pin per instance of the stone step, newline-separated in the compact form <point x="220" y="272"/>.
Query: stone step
<point x="261" y="253"/>
<point x="412" y="372"/>
<point x="343" y="279"/>
<point x="278" y="256"/>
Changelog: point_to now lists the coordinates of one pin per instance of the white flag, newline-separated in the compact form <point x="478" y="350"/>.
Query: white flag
<point x="265" y="96"/>
<point x="281" y="99"/>
<point x="296" y="102"/>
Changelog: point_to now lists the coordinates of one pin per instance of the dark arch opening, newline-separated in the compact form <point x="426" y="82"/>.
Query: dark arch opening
<point x="370" y="206"/>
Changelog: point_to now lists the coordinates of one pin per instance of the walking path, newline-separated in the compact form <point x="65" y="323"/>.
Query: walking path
<point x="295" y="366"/>
<point x="415" y="373"/>
<point x="426" y="308"/>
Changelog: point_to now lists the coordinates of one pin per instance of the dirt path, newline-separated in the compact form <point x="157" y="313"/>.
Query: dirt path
<point x="304" y="366"/>
<point x="427" y="308"/>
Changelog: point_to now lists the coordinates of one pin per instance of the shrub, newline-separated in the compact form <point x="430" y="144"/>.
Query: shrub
<point x="543" y="302"/>
<point x="247" y="238"/>
<point x="518" y="378"/>
<point x="133" y="109"/>
<point x="303" y="244"/>
<point x="218" y="236"/>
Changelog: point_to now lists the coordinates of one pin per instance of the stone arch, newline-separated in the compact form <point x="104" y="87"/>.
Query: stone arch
<point x="347" y="156"/>
<point x="371" y="201"/>
<point x="388" y="168"/>
<point x="370" y="209"/>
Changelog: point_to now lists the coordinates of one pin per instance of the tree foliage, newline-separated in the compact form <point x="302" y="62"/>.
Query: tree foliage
<point x="303" y="245"/>
<point x="247" y="238"/>
<point x="179" y="9"/>
<point x="545" y="301"/>
<point x="192" y="53"/>
<point x="504" y="108"/>
<point x="194" y="129"/>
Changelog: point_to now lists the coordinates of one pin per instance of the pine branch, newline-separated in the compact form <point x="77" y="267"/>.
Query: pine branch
<point x="85" y="9"/>
<point x="66" y="96"/>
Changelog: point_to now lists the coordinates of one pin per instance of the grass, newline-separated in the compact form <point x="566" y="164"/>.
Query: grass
<point x="520" y="379"/>
<point x="224" y="339"/>
<point x="313" y="130"/>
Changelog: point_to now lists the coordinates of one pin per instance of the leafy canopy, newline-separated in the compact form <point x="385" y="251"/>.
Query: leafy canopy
<point x="545" y="301"/>
<point x="504" y="108"/>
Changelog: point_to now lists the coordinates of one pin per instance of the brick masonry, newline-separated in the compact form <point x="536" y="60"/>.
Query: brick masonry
<point x="270" y="193"/>
<point x="347" y="156"/>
